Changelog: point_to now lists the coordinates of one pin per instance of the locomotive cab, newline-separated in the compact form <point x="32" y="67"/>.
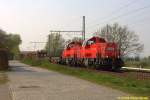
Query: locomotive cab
<point x="96" y="51"/>
<point x="71" y="50"/>
<point x="91" y="46"/>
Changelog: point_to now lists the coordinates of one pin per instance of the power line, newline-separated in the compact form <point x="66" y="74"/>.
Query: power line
<point x="70" y="31"/>
<point x="125" y="14"/>
<point x="134" y="11"/>
<point x="35" y="44"/>
<point x="117" y="10"/>
<point x="56" y="31"/>
<point x="70" y="21"/>
<point x="139" y="21"/>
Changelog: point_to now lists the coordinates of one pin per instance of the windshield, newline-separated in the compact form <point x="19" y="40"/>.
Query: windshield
<point x="88" y="42"/>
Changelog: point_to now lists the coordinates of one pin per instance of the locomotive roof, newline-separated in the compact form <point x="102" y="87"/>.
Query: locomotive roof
<point x="73" y="42"/>
<point x="101" y="40"/>
<point x="98" y="38"/>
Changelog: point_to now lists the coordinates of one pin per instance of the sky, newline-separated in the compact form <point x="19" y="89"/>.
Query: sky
<point x="33" y="19"/>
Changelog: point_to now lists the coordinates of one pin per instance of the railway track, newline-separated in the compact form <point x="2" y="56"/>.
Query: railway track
<point x="136" y="69"/>
<point x="128" y="72"/>
<point x="138" y="73"/>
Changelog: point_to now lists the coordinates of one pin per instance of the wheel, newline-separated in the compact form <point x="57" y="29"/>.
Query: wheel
<point x="86" y="62"/>
<point x="113" y="67"/>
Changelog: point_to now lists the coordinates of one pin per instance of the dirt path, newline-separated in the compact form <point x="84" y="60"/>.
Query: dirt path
<point x="31" y="83"/>
<point x="4" y="89"/>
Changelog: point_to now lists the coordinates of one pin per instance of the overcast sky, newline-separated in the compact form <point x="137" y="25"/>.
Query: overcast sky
<point x="33" y="19"/>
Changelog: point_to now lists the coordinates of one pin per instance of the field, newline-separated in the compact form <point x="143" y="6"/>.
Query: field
<point x="124" y="82"/>
<point x="144" y="63"/>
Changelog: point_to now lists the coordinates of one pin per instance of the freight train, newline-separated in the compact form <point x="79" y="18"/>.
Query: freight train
<point x="94" y="52"/>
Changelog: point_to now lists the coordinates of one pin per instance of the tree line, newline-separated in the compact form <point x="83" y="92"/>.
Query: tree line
<point x="10" y="42"/>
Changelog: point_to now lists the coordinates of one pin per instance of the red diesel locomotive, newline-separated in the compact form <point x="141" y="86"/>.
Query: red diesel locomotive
<point x="93" y="52"/>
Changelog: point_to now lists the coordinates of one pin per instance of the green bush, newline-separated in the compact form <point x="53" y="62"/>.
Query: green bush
<point x="144" y="63"/>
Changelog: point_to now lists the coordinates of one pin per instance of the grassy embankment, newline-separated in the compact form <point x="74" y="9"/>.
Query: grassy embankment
<point x="144" y="63"/>
<point x="3" y="78"/>
<point x="126" y="84"/>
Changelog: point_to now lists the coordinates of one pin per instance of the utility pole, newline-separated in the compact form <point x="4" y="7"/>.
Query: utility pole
<point x="74" y="31"/>
<point x="106" y="35"/>
<point x="48" y="45"/>
<point x="83" y="28"/>
<point x="69" y="31"/>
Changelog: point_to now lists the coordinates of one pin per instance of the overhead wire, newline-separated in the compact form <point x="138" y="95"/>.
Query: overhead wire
<point x="124" y="14"/>
<point x="117" y="10"/>
<point x="138" y="21"/>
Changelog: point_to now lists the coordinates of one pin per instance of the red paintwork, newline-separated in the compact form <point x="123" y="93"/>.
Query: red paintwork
<point x="91" y="48"/>
<point x="71" y="50"/>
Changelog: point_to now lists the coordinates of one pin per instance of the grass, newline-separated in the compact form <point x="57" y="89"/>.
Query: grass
<point x="3" y="78"/>
<point x="142" y="63"/>
<point x="128" y="85"/>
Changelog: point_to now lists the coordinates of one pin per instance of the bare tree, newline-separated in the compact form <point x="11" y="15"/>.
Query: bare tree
<point x="55" y="44"/>
<point x="127" y="40"/>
